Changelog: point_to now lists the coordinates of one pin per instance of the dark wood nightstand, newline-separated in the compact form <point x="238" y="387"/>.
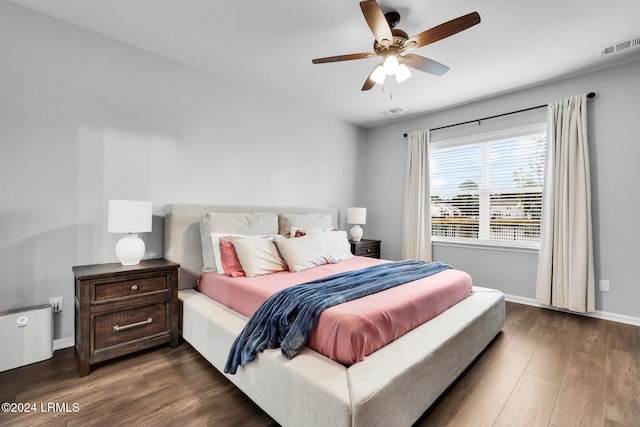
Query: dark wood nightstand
<point x="366" y="247"/>
<point x="123" y="309"/>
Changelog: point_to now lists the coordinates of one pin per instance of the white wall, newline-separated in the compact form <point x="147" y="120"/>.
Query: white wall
<point x="85" y="119"/>
<point x="614" y="139"/>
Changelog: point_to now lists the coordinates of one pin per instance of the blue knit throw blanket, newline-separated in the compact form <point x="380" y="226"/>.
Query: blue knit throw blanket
<point x="287" y="318"/>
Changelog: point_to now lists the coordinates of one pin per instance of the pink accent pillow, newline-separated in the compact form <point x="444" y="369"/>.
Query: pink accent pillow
<point x="229" y="258"/>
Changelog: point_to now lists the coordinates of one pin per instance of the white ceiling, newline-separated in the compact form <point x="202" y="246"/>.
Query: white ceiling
<point x="267" y="46"/>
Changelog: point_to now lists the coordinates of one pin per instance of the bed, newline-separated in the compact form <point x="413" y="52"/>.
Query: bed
<point x="393" y="386"/>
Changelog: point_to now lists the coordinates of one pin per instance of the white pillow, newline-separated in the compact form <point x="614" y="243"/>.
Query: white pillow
<point x="258" y="256"/>
<point x="254" y="224"/>
<point x="299" y="232"/>
<point x="338" y="243"/>
<point x="302" y="253"/>
<point x="306" y="221"/>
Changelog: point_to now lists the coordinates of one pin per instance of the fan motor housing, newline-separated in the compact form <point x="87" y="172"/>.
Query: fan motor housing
<point x="399" y="39"/>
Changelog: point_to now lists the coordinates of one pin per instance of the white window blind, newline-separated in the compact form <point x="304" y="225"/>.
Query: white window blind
<point x="488" y="188"/>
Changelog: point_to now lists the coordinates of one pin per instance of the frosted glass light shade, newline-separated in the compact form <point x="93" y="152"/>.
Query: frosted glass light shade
<point x="391" y="65"/>
<point x="403" y="73"/>
<point x="132" y="217"/>
<point x="378" y="75"/>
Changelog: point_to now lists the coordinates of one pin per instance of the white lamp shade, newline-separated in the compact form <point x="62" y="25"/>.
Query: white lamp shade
<point x="356" y="215"/>
<point x="129" y="216"/>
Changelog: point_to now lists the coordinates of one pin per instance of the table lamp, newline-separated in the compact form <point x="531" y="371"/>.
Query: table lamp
<point x="131" y="217"/>
<point x="356" y="216"/>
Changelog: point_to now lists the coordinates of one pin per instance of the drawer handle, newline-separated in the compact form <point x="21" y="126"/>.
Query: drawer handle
<point x="134" y="288"/>
<point x="132" y="325"/>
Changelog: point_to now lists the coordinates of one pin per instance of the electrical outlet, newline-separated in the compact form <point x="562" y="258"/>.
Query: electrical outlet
<point x="56" y="303"/>
<point x="604" y="285"/>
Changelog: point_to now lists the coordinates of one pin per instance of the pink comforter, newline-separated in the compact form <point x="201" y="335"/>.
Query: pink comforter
<point x="350" y="331"/>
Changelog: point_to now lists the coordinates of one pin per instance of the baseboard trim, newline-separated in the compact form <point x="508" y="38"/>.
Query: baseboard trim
<point x="621" y="318"/>
<point x="64" y="342"/>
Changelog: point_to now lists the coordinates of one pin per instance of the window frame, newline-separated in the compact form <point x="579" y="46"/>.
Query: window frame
<point x="482" y="138"/>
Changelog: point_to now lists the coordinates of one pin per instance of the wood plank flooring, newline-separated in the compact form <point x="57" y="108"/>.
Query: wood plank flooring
<point x="545" y="368"/>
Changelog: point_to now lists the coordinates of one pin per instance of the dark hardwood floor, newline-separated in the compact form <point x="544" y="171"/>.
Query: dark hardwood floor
<point x="545" y="368"/>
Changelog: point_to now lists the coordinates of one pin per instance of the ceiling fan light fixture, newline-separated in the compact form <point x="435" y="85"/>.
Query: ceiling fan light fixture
<point x="390" y="65"/>
<point x="378" y="75"/>
<point x="403" y="73"/>
<point x="391" y="43"/>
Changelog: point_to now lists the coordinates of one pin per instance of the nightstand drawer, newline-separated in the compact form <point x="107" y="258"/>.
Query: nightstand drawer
<point x="128" y="325"/>
<point x="366" y="247"/>
<point x="369" y="251"/>
<point x="127" y="287"/>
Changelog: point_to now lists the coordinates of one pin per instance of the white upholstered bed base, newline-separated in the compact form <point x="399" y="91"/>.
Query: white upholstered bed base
<point x="392" y="387"/>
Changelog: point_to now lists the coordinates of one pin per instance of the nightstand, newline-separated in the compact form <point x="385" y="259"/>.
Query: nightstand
<point x="366" y="247"/>
<point x="122" y="309"/>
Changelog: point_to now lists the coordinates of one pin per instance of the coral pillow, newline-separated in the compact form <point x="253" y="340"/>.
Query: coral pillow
<point x="229" y="257"/>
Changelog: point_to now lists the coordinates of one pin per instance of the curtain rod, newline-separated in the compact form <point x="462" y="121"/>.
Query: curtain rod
<point x="589" y="95"/>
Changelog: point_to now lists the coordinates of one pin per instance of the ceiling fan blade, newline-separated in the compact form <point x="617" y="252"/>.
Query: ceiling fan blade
<point x="339" y="58"/>
<point x="369" y="83"/>
<point x="377" y="22"/>
<point x="424" y="64"/>
<point x="442" y="31"/>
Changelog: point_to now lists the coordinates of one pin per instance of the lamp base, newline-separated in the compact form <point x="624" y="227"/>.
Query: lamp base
<point x="130" y="249"/>
<point x="356" y="233"/>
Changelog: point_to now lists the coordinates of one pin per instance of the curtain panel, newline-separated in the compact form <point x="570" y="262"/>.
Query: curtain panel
<point x="565" y="277"/>
<point x="416" y="220"/>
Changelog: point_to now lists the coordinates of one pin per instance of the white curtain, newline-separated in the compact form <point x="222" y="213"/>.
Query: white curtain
<point x="565" y="263"/>
<point x="416" y="220"/>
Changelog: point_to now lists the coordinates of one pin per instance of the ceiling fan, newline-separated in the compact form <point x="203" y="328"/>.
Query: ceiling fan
<point x="390" y="43"/>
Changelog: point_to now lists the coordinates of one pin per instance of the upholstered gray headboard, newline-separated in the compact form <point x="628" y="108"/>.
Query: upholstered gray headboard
<point x="182" y="242"/>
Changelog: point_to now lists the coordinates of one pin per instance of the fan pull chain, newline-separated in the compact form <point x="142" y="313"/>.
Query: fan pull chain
<point x="390" y="91"/>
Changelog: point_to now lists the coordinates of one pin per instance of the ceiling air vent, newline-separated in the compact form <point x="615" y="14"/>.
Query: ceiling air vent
<point x="397" y="111"/>
<point x="620" y="47"/>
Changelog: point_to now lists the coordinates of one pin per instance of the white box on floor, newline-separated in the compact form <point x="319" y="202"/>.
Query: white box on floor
<point x="26" y="335"/>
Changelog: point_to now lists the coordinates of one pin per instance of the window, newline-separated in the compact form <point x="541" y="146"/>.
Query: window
<point x="488" y="188"/>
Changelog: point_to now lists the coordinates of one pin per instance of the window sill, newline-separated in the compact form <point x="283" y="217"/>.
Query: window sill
<point x="486" y="246"/>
